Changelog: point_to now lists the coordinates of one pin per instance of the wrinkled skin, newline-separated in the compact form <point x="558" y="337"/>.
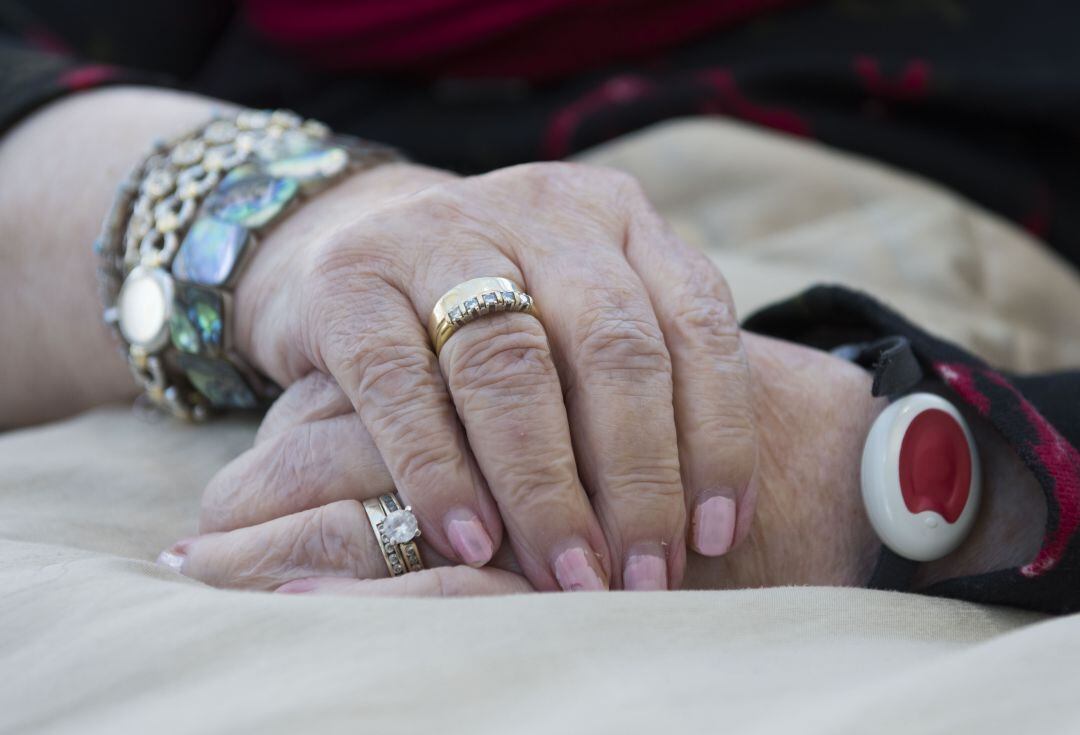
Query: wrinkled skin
<point x="595" y="435"/>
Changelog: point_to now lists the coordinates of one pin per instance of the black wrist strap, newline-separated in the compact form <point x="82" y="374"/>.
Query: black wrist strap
<point x="896" y="371"/>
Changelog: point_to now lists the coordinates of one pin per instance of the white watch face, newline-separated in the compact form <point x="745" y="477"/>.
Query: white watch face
<point x="921" y="480"/>
<point x="143" y="307"/>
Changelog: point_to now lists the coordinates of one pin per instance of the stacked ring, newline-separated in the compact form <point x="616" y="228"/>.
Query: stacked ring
<point x="400" y="527"/>
<point x="473" y="299"/>
<point x="395" y="530"/>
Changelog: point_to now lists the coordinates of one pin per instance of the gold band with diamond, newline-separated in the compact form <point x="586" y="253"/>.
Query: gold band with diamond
<point x="468" y="301"/>
<point x="400" y="527"/>
<point x="396" y="532"/>
<point x="395" y="565"/>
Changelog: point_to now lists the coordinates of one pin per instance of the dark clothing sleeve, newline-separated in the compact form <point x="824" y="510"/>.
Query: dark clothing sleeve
<point x="1038" y="415"/>
<point x="49" y="48"/>
<point x="31" y="77"/>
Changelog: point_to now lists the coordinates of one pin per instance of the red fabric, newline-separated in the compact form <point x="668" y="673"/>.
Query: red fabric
<point x="1044" y="447"/>
<point x="532" y="39"/>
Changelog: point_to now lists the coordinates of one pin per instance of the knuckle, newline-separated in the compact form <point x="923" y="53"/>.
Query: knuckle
<point x="537" y="488"/>
<point x="550" y="174"/>
<point x="342" y="278"/>
<point x="627" y="188"/>
<point x="426" y="462"/>
<point x="704" y="319"/>
<point x="219" y="502"/>
<point x="733" y="452"/>
<point x="392" y="376"/>
<point x="438" y="207"/>
<point x="343" y="257"/>
<point x="332" y="539"/>
<point x="553" y="181"/>
<point x="293" y="464"/>
<point x="615" y="341"/>
<point x="653" y="481"/>
<point x="645" y="494"/>
<point x="316" y="394"/>
<point x="645" y="514"/>
<point x="501" y="362"/>
<point x="290" y="465"/>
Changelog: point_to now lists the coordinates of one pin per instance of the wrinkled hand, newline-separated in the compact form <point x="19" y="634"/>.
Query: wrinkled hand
<point x="812" y="411"/>
<point x="588" y="435"/>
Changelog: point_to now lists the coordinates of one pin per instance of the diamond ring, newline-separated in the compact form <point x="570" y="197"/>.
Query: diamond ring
<point x="396" y="530"/>
<point x="468" y="301"/>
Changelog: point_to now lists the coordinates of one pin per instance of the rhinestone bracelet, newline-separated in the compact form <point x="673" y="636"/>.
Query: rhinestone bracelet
<point x="182" y="227"/>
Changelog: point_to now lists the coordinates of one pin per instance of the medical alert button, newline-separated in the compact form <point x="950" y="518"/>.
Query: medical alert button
<point x="920" y="477"/>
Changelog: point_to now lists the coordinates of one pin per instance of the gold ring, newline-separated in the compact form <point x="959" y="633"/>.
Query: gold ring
<point x="400" y="527"/>
<point x="468" y="301"/>
<point x="395" y="528"/>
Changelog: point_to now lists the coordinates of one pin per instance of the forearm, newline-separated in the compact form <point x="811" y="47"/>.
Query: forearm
<point x="58" y="173"/>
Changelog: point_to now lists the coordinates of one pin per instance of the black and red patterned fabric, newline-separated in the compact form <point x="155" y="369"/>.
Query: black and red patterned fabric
<point x="1039" y="416"/>
<point x="980" y="95"/>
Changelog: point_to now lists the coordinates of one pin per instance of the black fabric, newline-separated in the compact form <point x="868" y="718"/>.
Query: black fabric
<point x="981" y="95"/>
<point x="893" y="363"/>
<point x="892" y="572"/>
<point x="1042" y="432"/>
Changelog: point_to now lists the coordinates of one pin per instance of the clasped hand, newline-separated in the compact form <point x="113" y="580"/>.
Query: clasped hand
<point x="599" y="441"/>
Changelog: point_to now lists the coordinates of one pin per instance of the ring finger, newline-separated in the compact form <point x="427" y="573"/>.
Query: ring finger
<point x="334" y="540"/>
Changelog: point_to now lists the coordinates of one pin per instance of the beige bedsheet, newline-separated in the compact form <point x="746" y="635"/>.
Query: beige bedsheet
<point x="95" y="638"/>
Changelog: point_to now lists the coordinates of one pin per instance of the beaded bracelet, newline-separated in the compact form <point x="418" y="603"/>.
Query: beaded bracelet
<point x="183" y="225"/>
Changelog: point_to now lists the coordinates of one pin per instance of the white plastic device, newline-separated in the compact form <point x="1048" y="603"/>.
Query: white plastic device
<point x="921" y="482"/>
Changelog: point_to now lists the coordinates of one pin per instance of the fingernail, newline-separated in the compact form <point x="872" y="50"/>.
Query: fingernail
<point x="468" y="537"/>
<point x="174" y="556"/>
<point x="645" y="572"/>
<point x="574" y="573"/>
<point x="714" y="525"/>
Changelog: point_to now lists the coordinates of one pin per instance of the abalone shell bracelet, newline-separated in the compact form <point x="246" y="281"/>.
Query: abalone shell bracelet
<point x="182" y="226"/>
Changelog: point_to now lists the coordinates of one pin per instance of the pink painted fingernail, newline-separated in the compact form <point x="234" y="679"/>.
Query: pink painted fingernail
<point x="574" y="573"/>
<point x="175" y="556"/>
<point x="714" y="525"/>
<point x="468" y="537"/>
<point x="645" y="572"/>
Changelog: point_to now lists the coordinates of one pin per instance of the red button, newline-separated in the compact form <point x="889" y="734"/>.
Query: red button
<point x="935" y="465"/>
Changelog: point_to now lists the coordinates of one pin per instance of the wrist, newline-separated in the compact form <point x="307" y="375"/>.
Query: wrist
<point x="58" y="170"/>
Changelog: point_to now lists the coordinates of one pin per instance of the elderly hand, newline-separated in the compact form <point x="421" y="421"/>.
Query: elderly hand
<point x="812" y="411"/>
<point x="594" y="428"/>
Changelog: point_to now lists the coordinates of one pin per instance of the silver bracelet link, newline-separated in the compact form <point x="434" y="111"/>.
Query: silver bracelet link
<point x="181" y="228"/>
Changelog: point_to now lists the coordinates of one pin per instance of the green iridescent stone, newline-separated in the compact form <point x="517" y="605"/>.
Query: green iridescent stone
<point x="315" y="165"/>
<point x="238" y="174"/>
<point x="210" y="251"/>
<point x="219" y="381"/>
<point x="249" y="198"/>
<point x="197" y="321"/>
